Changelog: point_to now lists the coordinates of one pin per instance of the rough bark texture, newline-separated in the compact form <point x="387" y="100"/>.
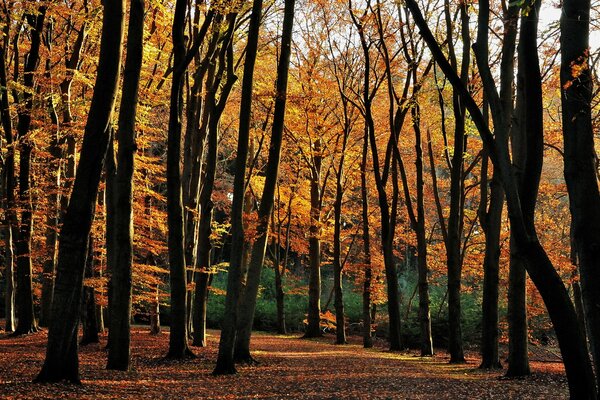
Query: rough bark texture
<point x="119" y="353"/>
<point x="61" y="361"/>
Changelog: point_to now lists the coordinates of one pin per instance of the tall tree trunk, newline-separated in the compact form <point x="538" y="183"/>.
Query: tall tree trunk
<point x="491" y="222"/>
<point x="119" y="353"/>
<point x="89" y="318"/>
<point x="313" y="329"/>
<point x="49" y="266"/>
<point x="214" y="107"/>
<point x="580" y="159"/>
<point x="527" y="137"/>
<point x="562" y="313"/>
<point x="423" y="270"/>
<point x="455" y="217"/>
<point x="8" y="181"/>
<point x="491" y="218"/>
<point x="61" y="361"/>
<point x="257" y="258"/>
<point x="25" y="313"/>
<point x="225" y="358"/>
<point x="366" y="236"/>
<point x="178" y="336"/>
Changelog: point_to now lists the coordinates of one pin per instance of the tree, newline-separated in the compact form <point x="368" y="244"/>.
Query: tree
<point x="178" y="336"/>
<point x="61" y="362"/>
<point x="120" y="280"/>
<point x="7" y="183"/>
<point x="225" y="359"/>
<point x="257" y="257"/>
<point x="539" y="267"/>
<point x="580" y="158"/>
<point x="25" y="313"/>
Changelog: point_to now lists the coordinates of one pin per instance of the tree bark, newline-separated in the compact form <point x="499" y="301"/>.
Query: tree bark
<point x="61" y="361"/>
<point x="366" y="236"/>
<point x="225" y="359"/>
<point x="540" y="268"/>
<point x="119" y="353"/>
<point x="580" y="159"/>
<point x="89" y="318"/>
<point x="25" y="312"/>
<point x="313" y="329"/>
<point x="8" y="180"/>
<point x="257" y="257"/>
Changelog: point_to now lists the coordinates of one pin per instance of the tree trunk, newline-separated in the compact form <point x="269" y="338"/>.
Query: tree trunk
<point x="419" y="227"/>
<point x="540" y="268"/>
<point x="455" y="217"/>
<point x="225" y="359"/>
<point x="61" y="361"/>
<point x="178" y="336"/>
<point x="89" y="318"/>
<point x="155" y="313"/>
<point x="580" y="159"/>
<point x="257" y="258"/>
<point x="491" y="221"/>
<point x="367" y="284"/>
<point x="8" y="177"/>
<point x="25" y="313"/>
<point x="313" y="329"/>
<point x="52" y="216"/>
<point x="119" y="353"/>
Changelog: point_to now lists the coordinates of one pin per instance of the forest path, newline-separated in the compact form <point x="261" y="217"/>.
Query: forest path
<point x="289" y="368"/>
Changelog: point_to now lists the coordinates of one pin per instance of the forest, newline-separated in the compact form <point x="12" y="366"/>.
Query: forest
<point x="299" y="199"/>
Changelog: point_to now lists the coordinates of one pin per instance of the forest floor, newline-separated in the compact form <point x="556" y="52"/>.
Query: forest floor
<point x="289" y="368"/>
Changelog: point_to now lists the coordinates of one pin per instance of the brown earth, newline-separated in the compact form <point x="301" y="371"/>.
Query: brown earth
<point x="289" y="368"/>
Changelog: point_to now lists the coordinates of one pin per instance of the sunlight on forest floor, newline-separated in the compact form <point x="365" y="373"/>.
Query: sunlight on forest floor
<point x="289" y="368"/>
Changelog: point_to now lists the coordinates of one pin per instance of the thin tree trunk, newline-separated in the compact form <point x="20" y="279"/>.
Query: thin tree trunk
<point x="367" y="284"/>
<point x="52" y="216"/>
<point x="8" y="176"/>
<point x="178" y="335"/>
<point x="491" y="222"/>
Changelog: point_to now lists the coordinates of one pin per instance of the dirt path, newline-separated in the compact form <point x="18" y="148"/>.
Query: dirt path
<point x="290" y="368"/>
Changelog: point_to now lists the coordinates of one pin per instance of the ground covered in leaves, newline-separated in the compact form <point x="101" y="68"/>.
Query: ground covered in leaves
<point x="289" y="368"/>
